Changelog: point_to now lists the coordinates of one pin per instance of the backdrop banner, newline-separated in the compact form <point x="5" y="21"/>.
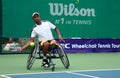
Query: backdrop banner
<point x="74" y="18"/>
<point x="91" y="45"/>
<point x="11" y="45"/>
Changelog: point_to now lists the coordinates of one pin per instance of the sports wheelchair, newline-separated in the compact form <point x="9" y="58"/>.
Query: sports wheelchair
<point x="55" y="51"/>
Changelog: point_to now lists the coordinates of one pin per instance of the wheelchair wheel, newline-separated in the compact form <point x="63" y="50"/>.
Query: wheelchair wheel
<point x="63" y="57"/>
<point x="31" y="58"/>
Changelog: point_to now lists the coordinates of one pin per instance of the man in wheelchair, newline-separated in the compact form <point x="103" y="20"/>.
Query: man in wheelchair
<point x="42" y="30"/>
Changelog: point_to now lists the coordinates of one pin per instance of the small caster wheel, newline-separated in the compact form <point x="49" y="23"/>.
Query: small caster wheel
<point x="53" y="68"/>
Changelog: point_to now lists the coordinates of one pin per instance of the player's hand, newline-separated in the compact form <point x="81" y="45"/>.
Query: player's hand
<point x="60" y="38"/>
<point x="20" y="50"/>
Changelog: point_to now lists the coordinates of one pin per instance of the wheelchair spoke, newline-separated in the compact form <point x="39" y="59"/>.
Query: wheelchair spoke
<point x="31" y="59"/>
<point x="63" y="57"/>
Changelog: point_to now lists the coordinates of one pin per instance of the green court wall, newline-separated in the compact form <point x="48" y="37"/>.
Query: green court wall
<point x="78" y="18"/>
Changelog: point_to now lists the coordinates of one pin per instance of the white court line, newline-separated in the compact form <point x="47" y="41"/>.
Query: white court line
<point x="94" y="70"/>
<point x="7" y="75"/>
<point x="85" y="75"/>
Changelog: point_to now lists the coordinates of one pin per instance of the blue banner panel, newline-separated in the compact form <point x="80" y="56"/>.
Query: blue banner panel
<point x="91" y="45"/>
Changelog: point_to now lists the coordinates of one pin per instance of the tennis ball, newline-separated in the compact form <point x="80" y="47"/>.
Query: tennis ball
<point x="32" y="44"/>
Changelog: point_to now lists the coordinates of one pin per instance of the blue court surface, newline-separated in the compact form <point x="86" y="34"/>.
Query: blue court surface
<point x="111" y="73"/>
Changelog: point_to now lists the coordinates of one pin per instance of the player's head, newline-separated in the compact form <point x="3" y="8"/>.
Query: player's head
<point x="36" y="17"/>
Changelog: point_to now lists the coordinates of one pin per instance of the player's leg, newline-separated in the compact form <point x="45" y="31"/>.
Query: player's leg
<point x="45" y="46"/>
<point x="54" y="42"/>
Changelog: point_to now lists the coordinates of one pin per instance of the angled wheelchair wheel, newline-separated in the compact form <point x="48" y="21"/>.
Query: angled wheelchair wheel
<point x="31" y="58"/>
<point x="63" y="56"/>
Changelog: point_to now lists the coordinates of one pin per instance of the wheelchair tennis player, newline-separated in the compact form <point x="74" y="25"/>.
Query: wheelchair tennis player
<point x="42" y="30"/>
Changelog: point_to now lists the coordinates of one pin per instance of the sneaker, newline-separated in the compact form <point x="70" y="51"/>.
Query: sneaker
<point x="45" y="63"/>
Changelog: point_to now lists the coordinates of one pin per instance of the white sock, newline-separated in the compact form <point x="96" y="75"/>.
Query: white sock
<point x="44" y="57"/>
